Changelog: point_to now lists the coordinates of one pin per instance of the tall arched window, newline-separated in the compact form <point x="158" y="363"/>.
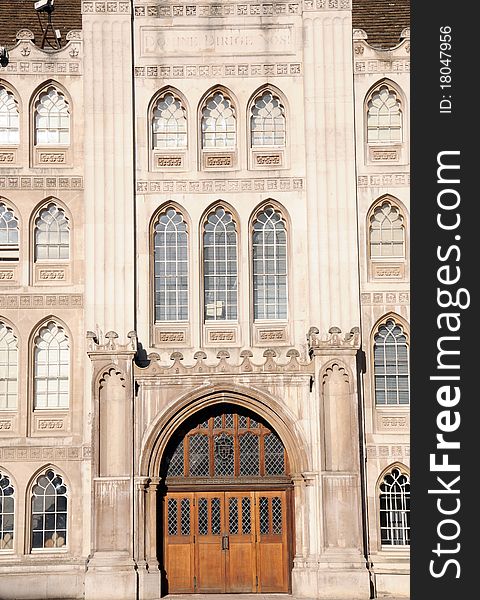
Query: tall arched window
<point x="220" y="266"/>
<point x="387" y="232"/>
<point x="269" y="244"/>
<point x="52" y="118"/>
<point x="391" y="365"/>
<point x="171" y="267"/>
<point x="9" y="118"/>
<point x="52" y="234"/>
<point x="51" y="367"/>
<point x="218" y="122"/>
<point x="169" y="123"/>
<point x="395" y="509"/>
<point x="267" y="121"/>
<point x="8" y="233"/>
<point x="8" y="368"/>
<point x="49" y="511"/>
<point x="7" y="512"/>
<point x="384" y="116"/>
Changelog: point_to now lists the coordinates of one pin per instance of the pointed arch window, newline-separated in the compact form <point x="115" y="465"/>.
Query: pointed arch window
<point x="171" y="267"/>
<point x="52" y="234"/>
<point x="8" y="368"/>
<point x="384" y="116"/>
<point x="51" y="367"/>
<point x="269" y="244"/>
<point x="218" y="122"/>
<point x="391" y="365"/>
<point x="267" y="121"/>
<point x="7" y="512"/>
<point x="220" y="266"/>
<point x="395" y="509"/>
<point x="169" y="123"/>
<point x="52" y="118"/>
<point x="9" y="118"/>
<point x="9" y="248"/>
<point x="387" y="232"/>
<point x="49" y="511"/>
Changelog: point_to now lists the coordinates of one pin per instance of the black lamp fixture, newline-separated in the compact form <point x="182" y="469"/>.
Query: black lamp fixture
<point x="47" y="6"/>
<point x="3" y="56"/>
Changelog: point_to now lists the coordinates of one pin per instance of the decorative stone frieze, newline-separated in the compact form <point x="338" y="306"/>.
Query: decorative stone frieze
<point x="333" y="341"/>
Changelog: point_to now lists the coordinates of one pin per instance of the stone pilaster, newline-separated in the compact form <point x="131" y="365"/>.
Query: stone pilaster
<point x="330" y="166"/>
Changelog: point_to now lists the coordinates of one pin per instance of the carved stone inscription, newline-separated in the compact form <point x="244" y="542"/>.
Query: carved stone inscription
<point x="229" y="41"/>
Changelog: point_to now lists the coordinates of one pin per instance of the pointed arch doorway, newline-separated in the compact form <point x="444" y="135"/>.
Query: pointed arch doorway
<point x="227" y="505"/>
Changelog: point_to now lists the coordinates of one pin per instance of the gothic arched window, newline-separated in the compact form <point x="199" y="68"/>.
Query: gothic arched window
<point x="218" y="122"/>
<point x="51" y="367"/>
<point x="227" y="444"/>
<point x="220" y="266"/>
<point x="8" y="368"/>
<point x="169" y="123"/>
<point x="9" y="118"/>
<point x="387" y="232"/>
<point x="384" y="116"/>
<point x="8" y="233"/>
<point x="49" y="511"/>
<point x="267" y="121"/>
<point x="395" y="509"/>
<point x="52" y="234"/>
<point x="52" y="118"/>
<point x="391" y="366"/>
<point x="7" y="512"/>
<point x="171" y="267"/>
<point x="269" y="245"/>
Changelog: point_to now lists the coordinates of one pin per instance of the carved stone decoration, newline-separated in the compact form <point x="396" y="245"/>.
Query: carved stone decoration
<point x="110" y="345"/>
<point x="350" y="340"/>
<point x="271" y="365"/>
<point x="25" y="34"/>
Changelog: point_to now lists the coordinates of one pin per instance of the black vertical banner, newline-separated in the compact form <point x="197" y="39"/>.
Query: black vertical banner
<point x="445" y="252"/>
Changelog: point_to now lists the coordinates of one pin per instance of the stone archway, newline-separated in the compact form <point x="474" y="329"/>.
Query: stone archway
<point x="152" y="485"/>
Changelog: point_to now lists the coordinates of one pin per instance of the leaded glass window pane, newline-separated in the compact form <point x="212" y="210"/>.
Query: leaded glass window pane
<point x="384" y="117"/>
<point x="176" y="464"/>
<point x="274" y="455"/>
<point x="264" y="516"/>
<point x="169" y="123"/>
<point x="220" y="266"/>
<point x="387" y="232"/>
<point x="185" y="516"/>
<point x="51" y="367"/>
<point x="391" y="365"/>
<point x="9" y="118"/>
<point x="8" y="368"/>
<point x="202" y="516"/>
<point x="52" y="118"/>
<point x="269" y="266"/>
<point x="246" y="515"/>
<point x="249" y="454"/>
<point x="52" y="234"/>
<point x="49" y="511"/>
<point x="224" y="455"/>
<point x="267" y="121"/>
<point x="218" y="122"/>
<point x="216" y="516"/>
<point x="233" y="516"/>
<point x="276" y="515"/>
<point x="7" y="512"/>
<point x="172" y="516"/>
<point x="395" y="509"/>
<point x="198" y="456"/>
<point x="171" y="267"/>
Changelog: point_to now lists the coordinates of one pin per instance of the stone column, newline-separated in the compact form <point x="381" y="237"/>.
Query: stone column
<point x="330" y="164"/>
<point x="111" y="569"/>
<point x="149" y="581"/>
<point x="341" y="566"/>
<point x="109" y="193"/>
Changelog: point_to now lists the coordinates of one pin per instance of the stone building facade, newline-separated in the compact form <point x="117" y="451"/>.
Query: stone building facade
<point x="204" y="300"/>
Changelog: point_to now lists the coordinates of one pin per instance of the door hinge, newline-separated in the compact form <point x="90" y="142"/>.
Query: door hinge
<point x="194" y="584"/>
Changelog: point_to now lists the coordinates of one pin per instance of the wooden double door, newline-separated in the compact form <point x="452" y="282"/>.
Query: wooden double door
<point x="224" y="542"/>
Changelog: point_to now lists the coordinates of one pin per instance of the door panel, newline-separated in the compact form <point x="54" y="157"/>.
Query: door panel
<point x="179" y="555"/>
<point x="240" y="557"/>
<point x="217" y="542"/>
<point x="272" y="554"/>
<point x="210" y="558"/>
